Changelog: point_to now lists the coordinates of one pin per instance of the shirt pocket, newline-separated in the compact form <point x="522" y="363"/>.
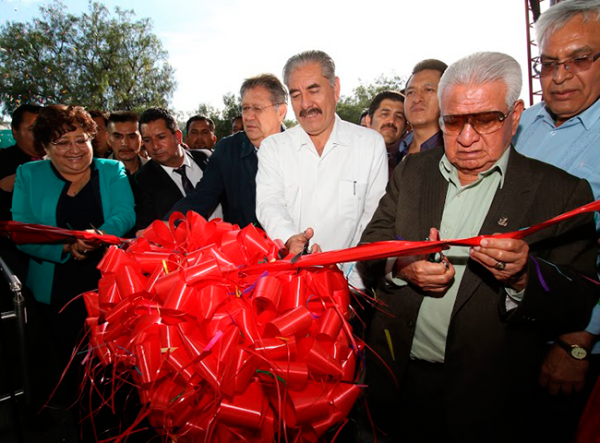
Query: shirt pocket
<point x="351" y="200"/>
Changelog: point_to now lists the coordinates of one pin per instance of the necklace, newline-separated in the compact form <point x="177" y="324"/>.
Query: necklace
<point x="78" y="185"/>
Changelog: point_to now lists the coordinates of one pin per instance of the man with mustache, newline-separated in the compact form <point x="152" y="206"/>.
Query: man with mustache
<point x="200" y="133"/>
<point x="320" y="180"/>
<point x="564" y="130"/>
<point x="125" y="140"/>
<point x="422" y="108"/>
<point x="386" y="116"/>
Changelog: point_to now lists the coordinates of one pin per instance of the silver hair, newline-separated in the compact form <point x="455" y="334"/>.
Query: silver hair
<point x="271" y="83"/>
<point x="481" y="68"/>
<point x="308" y="57"/>
<point x="560" y="14"/>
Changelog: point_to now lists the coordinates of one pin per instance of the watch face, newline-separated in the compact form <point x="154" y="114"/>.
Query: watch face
<point x="578" y="353"/>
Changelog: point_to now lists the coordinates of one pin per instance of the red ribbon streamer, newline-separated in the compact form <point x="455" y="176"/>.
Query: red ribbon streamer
<point x="224" y="341"/>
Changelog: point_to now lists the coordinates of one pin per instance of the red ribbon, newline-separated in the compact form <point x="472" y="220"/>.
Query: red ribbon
<point x="218" y="354"/>
<point x="225" y="342"/>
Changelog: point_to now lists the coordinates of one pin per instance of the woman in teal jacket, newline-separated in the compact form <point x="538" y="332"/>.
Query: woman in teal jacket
<point x="75" y="191"/>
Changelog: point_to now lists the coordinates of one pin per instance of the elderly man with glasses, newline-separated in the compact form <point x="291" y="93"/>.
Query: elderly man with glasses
<point x="230" y="175"/>
<point x="564" y="130"/>
<point x="457" y="359"/>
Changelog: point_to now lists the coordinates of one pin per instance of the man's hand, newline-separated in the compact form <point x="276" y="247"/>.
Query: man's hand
<point x="429" y="277"/>
<point x="505" y="258"/>
<point x="7" y="184"/>
<point x="562" y="373"/>
<point x="295" y="243"/>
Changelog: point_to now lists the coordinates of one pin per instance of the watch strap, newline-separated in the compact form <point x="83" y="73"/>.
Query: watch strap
<point x="569" y="348"/>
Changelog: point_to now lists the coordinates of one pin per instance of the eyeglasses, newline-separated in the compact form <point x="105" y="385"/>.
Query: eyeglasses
<point x="257" y="109"/>
<point x="63" y="145"/>
<point x="482" y="122"/>
<point x="576" y="64"/>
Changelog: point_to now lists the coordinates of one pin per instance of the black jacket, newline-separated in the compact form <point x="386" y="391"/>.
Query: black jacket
<point x="155" y="192"/>
<point x="229" y="179"/>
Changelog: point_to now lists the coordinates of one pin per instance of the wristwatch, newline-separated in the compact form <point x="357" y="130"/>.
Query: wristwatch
<point x="576" y="351"/>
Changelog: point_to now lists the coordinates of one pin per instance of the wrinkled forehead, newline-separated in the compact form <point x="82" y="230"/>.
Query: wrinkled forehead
<point x="257" y="94"/>
<point x="572" y="37"/>
<point x="473" y="98"/>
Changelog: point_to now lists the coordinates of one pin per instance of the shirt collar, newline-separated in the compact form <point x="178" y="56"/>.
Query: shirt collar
<point x="337" y="137"/>
<point x="433" y="141"/>
<point x="186" y="162"/>
<point x="450" y="173"/>
<point x="587" y="118"/>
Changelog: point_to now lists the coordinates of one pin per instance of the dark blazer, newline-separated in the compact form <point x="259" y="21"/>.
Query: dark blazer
<point x="492" y="357"/>
<point x="10" y="159"/>
<point x="230" y="179"/>
<point x="155" y="192"/>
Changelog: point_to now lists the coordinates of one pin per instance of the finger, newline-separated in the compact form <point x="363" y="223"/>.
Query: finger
<point x="434" y="234"/>
<point x="504" y="244"/>
<point x="483" y="259"/>
<point x="553" y="388"/>
<point x="316" y="249"/>
<point x="567" y="388"/>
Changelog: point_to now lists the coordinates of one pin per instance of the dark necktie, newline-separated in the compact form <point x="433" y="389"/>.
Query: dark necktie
<point x="188" y="187"/>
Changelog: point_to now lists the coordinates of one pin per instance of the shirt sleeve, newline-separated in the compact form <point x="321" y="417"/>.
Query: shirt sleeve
<point x="121" y="214"/>
<point x="271" y="209"/>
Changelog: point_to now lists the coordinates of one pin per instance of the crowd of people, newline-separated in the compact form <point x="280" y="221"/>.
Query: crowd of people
<point x="497" y="342"/>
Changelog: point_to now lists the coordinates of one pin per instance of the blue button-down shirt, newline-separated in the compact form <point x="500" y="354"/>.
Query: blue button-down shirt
<point x="573" y="146"/>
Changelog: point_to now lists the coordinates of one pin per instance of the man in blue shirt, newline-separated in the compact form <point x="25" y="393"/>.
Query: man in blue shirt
<point x="564" y="130"/>
<point x="422" y="108"/>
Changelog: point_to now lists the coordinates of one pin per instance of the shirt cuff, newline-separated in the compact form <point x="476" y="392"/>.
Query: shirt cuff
<point x="389" y="274"/>
<point x="594" y="325"/>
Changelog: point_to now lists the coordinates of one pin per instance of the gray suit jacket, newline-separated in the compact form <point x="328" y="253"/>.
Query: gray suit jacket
<point x="492" y="356"/>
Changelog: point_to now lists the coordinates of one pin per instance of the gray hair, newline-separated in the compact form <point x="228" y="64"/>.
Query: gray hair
<point x="560" y="14"/>
<point x="481" y="68"/>
<point x="309" y="57"/>
<point x="271" y="83"/>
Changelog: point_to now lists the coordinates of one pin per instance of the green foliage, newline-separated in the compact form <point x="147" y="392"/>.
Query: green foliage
<point x="349" y="108"/>
<point x="96" y="60"/>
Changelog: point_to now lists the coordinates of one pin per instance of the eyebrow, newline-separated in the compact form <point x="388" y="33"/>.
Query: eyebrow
<point x="574" y="52"/>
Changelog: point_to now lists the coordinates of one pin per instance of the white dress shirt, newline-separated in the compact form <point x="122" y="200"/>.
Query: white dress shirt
<point x="336" y="193"/>
<point x="194" y="174"/>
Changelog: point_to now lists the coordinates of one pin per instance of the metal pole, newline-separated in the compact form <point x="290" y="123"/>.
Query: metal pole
<point x="20" y="314"/>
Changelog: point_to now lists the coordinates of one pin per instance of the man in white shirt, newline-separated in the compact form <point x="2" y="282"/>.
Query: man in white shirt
<point x="321" y="180"/>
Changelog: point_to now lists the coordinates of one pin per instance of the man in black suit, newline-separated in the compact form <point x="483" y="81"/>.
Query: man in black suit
<point x="230" y="175"/>
<point x="468" y="332"/>
<point x="21" y="152"/>
<point x="171" y="174"/>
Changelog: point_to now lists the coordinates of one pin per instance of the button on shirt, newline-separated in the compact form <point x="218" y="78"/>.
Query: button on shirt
<point x="573" y="146"/>
<point x="465" y="210"/>
<point x="336" y="193"/>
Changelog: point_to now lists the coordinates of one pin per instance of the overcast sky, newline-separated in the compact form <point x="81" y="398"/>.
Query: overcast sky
<point x="213" y="45"/>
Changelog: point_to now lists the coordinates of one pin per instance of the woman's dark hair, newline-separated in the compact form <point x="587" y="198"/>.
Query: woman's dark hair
<point x="54" y="121"/>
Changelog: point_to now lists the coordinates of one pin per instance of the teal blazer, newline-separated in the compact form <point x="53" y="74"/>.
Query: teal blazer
<point x="35" y="198"/>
